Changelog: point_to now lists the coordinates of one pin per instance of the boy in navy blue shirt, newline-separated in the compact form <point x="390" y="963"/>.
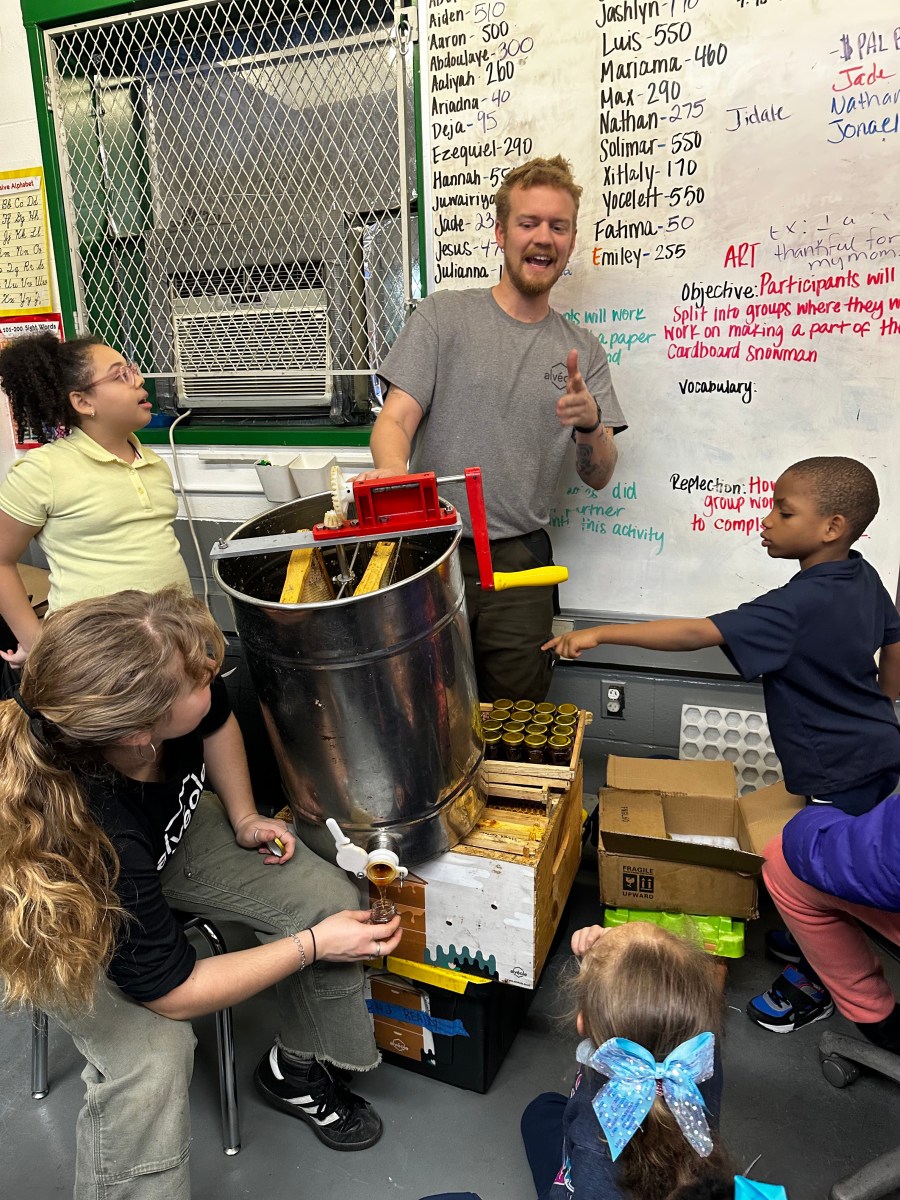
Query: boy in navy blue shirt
<point x="813" y="641"/>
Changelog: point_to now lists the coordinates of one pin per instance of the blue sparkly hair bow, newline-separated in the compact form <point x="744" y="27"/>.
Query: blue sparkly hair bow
<point x="749" y="1189"/>
<point x="636" y="1078"/>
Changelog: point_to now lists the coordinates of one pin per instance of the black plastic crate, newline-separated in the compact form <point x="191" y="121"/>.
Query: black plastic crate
<point x="458" y="1028"/>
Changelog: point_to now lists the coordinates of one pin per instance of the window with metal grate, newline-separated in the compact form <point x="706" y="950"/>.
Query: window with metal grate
<point x="234" y="177"/>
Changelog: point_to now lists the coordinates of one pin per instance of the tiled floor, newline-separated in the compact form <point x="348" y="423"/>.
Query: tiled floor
<point x="778" y="1109"/>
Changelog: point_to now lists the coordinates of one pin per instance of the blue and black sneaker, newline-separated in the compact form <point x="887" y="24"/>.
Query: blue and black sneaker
<point x="781" y="945"/>
<point x="793" y="1000"/>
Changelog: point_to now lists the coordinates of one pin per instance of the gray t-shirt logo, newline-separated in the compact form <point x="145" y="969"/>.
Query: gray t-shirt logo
<point x="558" y="376"/>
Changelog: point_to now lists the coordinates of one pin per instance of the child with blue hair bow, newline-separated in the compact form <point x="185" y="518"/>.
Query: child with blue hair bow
<point x="642" y="1116"/>
<point x="641" y="1120"/>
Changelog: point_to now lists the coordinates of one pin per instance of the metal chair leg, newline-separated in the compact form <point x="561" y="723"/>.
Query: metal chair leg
<point x="40" y="1085"/>
<point x="231" y="1134"/>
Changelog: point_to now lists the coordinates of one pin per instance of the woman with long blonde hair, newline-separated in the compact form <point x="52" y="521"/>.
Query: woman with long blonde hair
<point x="118" y="726"/>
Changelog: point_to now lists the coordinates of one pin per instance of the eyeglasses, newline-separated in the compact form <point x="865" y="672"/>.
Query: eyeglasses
<point x="127" y="372"/>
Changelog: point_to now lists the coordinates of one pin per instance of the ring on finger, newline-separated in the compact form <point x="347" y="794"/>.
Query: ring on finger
<point x="256" y="836"/>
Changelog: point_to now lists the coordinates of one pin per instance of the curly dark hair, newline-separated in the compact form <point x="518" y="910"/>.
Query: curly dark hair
<point x="841" y="486"/>
<point x="38" y="373"/>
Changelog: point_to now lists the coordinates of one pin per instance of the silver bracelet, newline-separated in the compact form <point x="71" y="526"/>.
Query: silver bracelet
<point x="295" y="937"/>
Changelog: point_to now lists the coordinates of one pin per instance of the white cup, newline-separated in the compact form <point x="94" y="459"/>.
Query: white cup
<point x="277" y="482"/>
<point x="311" y="471"/>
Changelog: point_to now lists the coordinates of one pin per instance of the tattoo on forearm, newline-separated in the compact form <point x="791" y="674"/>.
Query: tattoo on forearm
<point x="595" y="475"/>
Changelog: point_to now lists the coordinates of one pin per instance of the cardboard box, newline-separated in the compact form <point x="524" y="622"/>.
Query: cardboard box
<point x="36" y="582"/>
<point x="446" y="1024"/>
<point x="394" y="999"/>
<point x="647" y="800"/>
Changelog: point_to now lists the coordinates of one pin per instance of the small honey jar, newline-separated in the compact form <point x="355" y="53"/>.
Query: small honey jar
<point x="559" y="750"/>
<point x="492" y="744"/>
<point x="381" y="911"/>
<point x="535" y="748"/>
<point x="514" y="747"/>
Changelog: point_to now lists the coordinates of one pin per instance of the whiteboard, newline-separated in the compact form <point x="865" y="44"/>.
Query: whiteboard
<point x="737" y="256"/>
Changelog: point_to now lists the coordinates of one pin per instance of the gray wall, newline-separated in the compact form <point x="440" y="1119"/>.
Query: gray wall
<point x="653" y="699"/>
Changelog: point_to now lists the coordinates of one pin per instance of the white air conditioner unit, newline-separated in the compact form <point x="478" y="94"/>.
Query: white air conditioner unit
<point x="245" y="346"/>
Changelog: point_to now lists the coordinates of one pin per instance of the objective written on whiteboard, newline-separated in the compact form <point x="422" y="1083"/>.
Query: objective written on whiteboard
<point x="779" y="319"/>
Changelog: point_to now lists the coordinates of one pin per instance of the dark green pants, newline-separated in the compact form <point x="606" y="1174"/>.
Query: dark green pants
<point x="509" y="627"/>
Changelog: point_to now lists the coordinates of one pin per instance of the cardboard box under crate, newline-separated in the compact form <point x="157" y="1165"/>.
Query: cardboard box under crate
<point x="647" y="800"/>
<point x="523" y="781"/>
<point x="495" y="900"/>
<point x="446" y="1024"/>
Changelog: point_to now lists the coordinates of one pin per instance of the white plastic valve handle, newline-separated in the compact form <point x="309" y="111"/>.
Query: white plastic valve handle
<point x="340" y="838"/>
<point x="350" y="857"/>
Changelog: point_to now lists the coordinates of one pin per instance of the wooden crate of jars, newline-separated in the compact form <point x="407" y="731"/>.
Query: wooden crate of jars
<point x="525" y="780"/>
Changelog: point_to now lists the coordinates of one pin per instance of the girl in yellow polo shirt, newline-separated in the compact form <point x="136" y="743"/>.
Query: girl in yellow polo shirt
<point x="99" y="504"/>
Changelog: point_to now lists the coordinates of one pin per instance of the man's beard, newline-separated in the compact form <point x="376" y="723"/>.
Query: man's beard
<point x="531" y="285"/>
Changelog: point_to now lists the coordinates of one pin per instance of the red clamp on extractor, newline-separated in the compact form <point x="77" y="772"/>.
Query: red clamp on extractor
<point x="390" y="508"/>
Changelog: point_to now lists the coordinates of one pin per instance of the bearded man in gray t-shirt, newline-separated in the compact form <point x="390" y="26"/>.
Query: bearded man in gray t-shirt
<point x="494" y="377"/>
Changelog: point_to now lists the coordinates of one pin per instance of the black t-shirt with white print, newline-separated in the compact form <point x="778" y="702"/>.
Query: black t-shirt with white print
<point x="145" y="823"/>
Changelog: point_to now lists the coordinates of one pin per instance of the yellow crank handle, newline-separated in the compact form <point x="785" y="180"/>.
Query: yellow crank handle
<point x="536" y="577"/>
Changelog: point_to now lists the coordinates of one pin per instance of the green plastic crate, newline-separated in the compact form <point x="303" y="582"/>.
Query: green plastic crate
<point x="718" y="935"/>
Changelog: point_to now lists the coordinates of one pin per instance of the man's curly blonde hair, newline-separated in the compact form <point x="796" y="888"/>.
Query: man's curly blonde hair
<point x="539" y="172"/>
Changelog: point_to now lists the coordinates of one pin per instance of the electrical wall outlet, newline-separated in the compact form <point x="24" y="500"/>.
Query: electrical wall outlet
<point x="614" y="700"/>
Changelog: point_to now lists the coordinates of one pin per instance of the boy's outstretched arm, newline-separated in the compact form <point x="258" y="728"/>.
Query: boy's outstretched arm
<point x="677" y="634"/>
<point x="889" y="670"/>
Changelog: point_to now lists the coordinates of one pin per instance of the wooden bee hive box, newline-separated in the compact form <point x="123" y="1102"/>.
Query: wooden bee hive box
<point x="495" y="901"/>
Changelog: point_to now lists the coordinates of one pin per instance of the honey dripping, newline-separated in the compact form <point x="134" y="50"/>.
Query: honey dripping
<point x="381" y="910"/>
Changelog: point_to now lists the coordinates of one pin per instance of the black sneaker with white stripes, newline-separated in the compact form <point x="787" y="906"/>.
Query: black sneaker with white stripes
<point x="337" y="1116"/>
